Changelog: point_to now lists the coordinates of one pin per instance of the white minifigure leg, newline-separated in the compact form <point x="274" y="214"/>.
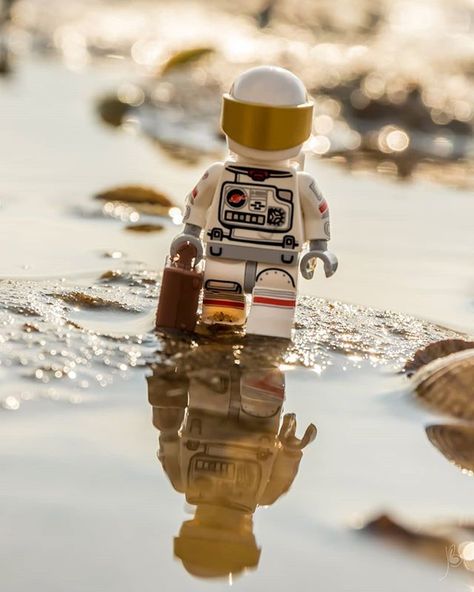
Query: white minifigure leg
<point x="273" y="301"/>
<point x="224" y="298"/>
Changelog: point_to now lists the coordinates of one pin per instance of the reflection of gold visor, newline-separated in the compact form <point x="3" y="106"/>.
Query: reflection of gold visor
<point x="266" y="127"/>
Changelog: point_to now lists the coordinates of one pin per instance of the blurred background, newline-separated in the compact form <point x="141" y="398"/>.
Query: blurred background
<point x="392" y="79"/>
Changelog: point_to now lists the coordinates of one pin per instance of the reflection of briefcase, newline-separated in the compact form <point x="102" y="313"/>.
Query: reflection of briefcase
<point x="180" y="289"/>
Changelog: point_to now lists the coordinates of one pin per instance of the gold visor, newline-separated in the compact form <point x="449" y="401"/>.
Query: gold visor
<point x="266" y="127"/>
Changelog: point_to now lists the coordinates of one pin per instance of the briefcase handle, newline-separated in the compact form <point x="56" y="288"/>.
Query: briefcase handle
<point x="185" y="257"/>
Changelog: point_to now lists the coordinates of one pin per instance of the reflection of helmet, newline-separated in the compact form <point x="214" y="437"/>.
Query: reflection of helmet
<point x="216" y="543"/>
<point x="267" y="110"/>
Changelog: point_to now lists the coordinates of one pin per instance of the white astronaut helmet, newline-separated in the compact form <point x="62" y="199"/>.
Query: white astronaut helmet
<point x="267" y="116"/>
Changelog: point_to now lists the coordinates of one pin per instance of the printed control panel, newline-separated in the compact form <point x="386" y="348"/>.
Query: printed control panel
<point x="264" y="208"/>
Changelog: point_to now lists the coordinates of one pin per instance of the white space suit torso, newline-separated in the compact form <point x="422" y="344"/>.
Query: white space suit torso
<point x="255" y="208"/>
<point x="256" y="219"/>
<point x="257" y="213"/>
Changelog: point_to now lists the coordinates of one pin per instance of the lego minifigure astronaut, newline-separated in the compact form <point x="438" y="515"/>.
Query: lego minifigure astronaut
<point x="256" y="211"/>
<point x="223" y="444"/>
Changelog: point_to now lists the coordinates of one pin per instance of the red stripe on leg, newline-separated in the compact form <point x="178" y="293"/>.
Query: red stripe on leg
<point x="223" y="303"/>
<point x="274" y="301"/>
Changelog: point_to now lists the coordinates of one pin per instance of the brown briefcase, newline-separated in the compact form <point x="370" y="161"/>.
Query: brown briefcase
<point x="179" y="294"/>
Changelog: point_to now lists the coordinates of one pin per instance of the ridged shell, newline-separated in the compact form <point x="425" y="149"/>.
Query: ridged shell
<point x="447" y="384"/>
<point x="433" y="351"/>
<point x="455" y="442"/>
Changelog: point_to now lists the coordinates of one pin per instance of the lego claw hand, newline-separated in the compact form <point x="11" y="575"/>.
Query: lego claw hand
<point x="308" y="263"/>
<point x="190" y="235"/>
<point x="288" y="433"/>
<point x="318" y="250"/>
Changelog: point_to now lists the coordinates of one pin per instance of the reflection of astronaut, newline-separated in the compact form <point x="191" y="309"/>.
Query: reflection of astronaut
<point x="221" y="444"/>
<point x="256" y="211"/>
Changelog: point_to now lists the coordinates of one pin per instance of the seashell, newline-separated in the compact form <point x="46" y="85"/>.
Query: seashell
<point x="436" y="350"/>
<point x="185" y="57"/>
<point x="455" y="442"/>
<point x="146" y="228"/>
<point x="135" y="194"/>
<point x="447" y="384"/>
<point x="112" y="110"/>
<point x="425" y="542"/>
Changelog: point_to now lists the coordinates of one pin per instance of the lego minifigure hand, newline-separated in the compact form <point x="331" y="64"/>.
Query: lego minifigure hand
<point x="318" y="250"/>
<point x="190" y="235"/>
<point x="288" y="436"/>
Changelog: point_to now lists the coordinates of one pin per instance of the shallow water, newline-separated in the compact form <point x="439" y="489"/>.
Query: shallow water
<point x="85" y="503"/>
